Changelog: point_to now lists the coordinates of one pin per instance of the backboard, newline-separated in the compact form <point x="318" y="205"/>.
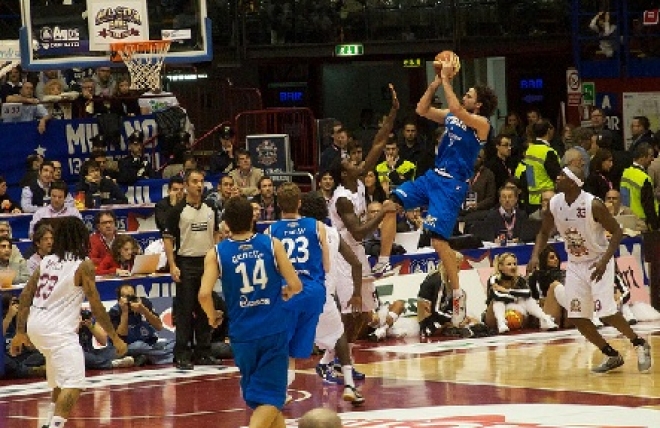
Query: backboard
<point x="9" y="55"/>
<point x="78" y="33"/>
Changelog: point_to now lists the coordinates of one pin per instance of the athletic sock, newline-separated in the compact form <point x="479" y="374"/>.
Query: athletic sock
<point x="383" y="259"/>
<point x="290" y="376"/>
<point x="328" y="356"/>
<point x="347" y="371"/>
<point x="638" y="341"/>
<point x="57" y="422"/>
<point x="394" y="317"/>
<point x="609" y="351"/>
<point x="456" y="293"/>
<point x="51" y="412"/>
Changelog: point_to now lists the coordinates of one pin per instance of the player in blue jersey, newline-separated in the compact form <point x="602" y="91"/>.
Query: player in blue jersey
<point x="443" y="188"/>
<point x="253" y="268"/>
<point x="305" y="242"/>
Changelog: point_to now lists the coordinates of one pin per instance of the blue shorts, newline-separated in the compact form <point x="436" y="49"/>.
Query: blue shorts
<point x="305" y="310"/>
<point x="263" y="364"/>
<point x="444" y="197"/>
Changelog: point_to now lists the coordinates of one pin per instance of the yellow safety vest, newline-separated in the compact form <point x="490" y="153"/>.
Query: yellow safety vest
<point x="632" y="181"/>
<point x="538" y="180"/>
<point x="383" y="170"/>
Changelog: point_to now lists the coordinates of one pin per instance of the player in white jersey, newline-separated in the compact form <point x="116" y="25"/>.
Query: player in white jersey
<point x="330" y="333"/>
<point x="50" y="307"/>
<point x="347" y="211"/>
<point x="582" y="219"/>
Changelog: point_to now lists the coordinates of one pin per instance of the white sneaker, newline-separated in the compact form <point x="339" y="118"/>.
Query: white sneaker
<point x="502" y="328"/>
<point x="382" y="269"/>
<point x="353" y="395"/>
<point x="597" y="322"/>
<point x="643" y="357"/>
<point x="459" y="308"/>
<point x="628" y="314"/>
<point x="123" y="362"/>
<point x="548" y="324"/>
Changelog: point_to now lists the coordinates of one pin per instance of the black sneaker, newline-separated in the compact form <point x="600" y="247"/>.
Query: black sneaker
<point x="184" y="365"/>
<point x="140" y="360"/>
<point x="207" y="361"/>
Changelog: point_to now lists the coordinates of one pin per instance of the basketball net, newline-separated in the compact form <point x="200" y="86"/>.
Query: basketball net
<point x="144" y="61"/>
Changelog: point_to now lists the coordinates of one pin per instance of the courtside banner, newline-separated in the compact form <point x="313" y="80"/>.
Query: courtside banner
<point x="64" y="140"/>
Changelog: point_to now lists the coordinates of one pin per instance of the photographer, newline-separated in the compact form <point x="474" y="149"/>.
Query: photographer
<point x="30" y="362"/>
<point x="137" y="323"/>
<point x="98" y="358"/>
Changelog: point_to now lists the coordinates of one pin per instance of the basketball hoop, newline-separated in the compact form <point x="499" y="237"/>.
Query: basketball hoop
<point x="144" y="60"/>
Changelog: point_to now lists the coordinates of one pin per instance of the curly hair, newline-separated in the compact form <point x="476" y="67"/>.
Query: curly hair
<point x="486" y="96"/>
<point x="543" y="257"/>
<point x="70" y="238"/>
<point x="119" y="243"/>
<point x="313" y="205"/>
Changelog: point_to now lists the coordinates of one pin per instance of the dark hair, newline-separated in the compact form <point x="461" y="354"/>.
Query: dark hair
<point x="118" y="289"/>
<point x="596" y="164"/>
<point x="46" y="163"/>
<point x="335" y="169"/>
<point x="543" y="257"/>
<point x="70" y="238"/>
<point x="40" y="230"/>
<point x="242" y="152"/>
<point x="238" y="214"/>
<point x="486" y="96"/>
<point x="30" y="160"/>
<point x="97" y="217"/>
<point x="59" y="185"/>
<point x="353" y="145"/>
<point x="97" y="152"/>
<point x="174" y="180"/>
<point x="641" y="151"/>
<point x="263" y="177"/>
<point x="313" y="205"/>
<point x="541" y="128"/>
<point x="87" y="165"/>
<point x="6" y="238"/>
<point x="644" y="121"/>
<point x="119" y="242"/>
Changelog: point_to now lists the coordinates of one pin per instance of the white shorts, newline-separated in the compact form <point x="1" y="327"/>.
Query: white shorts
<point x="586" y="298"/>
<point x="330" y="327"/>
<point x="343" y="278"/>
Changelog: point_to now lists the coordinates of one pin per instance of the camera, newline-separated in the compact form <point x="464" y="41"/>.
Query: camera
<point x="132" y="299"/>
<point x="86" y="314"/>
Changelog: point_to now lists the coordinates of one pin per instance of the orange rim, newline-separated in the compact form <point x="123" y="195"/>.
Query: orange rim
<point x="139" y="47"/>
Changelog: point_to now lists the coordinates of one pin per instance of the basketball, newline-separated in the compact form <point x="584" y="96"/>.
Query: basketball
<point x="446" y="56"/>
<point x="514" y="319"/>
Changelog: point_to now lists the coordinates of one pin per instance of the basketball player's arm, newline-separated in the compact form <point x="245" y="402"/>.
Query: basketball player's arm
<point x="355" y="301"/>
<point x="20" y="339"/>
<point x="358" y="230"/>
<point x="293" y="285"/>
<point x="86" y="277"/>
<point x="205" y="296"/>
<point x="382" y="136"/>
<point x="547" y="225"/>
<point x="325" y="251"/>
<point x="602" y="215"/>
<point x="424" y="108"/>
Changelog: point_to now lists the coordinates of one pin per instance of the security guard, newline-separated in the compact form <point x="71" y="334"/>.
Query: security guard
<point x="542" y="164"/>
<point x="637" y="189"/>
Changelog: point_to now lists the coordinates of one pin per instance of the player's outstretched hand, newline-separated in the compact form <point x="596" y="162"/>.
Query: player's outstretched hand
<point x="395" y="99"/>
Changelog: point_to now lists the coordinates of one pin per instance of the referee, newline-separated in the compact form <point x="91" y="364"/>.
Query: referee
<point x="190" y="231"/>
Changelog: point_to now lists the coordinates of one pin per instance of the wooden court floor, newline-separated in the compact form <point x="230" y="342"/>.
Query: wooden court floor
<point x="529" y="379"/>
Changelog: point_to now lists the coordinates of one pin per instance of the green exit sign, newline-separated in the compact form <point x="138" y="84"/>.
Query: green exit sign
<point x="412" y="62"/>
<point x="349" y="50"/>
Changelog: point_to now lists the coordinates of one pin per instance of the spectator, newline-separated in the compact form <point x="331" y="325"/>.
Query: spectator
<point x="221" y="195"/>
<point x="31" y="110"/>
<point x="606" y="31"/>
<point x="5" y="230"/>
<point x="374" y="190"/>
<point x="598" y="182"/>
<point x="57" y="207"/>
<point x="223" y="161"/>
<point x="100" y="241"/>
<point x="637" y="189"/>
<point x="412" y="147"/>
<point x="245" y="176"/>
<point x="30" y="362"/>
<point x="547" y="285"/>
<point x="327" y="185"/>
<point x="544" y="163"/>
<point x="102" y="358"/>
<point x="355" y="152"/>
<point x="584" y="142"/>
<point x="545" y="203"/>
<point x="599" y="127"/>
<point x="124" y="103"/>
<point x="32" y="167"/>
<point x="6" y="204"/>
<point x="98" y="190"/>
<point x="57" y="170"/>
<point x="36" y="194"/>
<point x="573" y="157"/>
<point x="434" y="301"/>
<point x="120" y="260"/>
<point x="135" y="166"/>
<point x="104" y="82"/>
<point x="506" y="289"/>
<point x="137" y="323"/>
<point x="45" y="78"/>
<point x="503" y="223"/>
<point x="514" y="130"/>
<point x="42" y="240"/>
<point x="371" y="242"/>
<point x="12" y="84"/>
<point x="87" y="104"/>
<point x="500" y="164"/>
<point x="269" y="209"/>
<point x="17" y="265"/>
<point x="174" y="196"/>
<point x="336" y="150"/>
<point x="654" y="172"/>
<point x="614" y="206"/>
<point x="109" y="168"/>
<point x="411" y="221"/>
<point x="481" y="191"/>
<point x="395" y="169"/>
<point x="57" y="101"/>
<point x="220" y="349"/>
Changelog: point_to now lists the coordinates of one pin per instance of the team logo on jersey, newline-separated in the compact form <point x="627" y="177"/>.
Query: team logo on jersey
<point x="576" y="306"/>
<point x="575" y="243"/>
